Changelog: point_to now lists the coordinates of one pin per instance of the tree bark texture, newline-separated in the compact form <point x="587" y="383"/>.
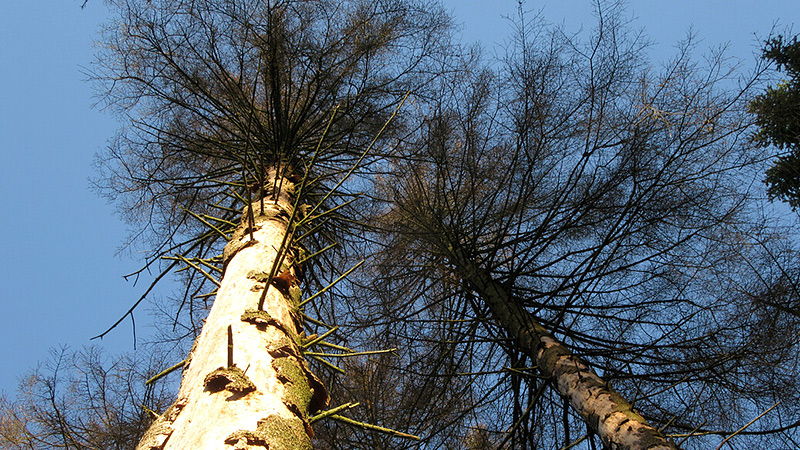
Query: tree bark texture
<point x="245" y="383"/>
<point x="606" y="412"/>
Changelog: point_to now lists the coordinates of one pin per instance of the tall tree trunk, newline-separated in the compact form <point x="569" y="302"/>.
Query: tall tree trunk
<point x="245" y="383"/>
<point x="604" y="410"/>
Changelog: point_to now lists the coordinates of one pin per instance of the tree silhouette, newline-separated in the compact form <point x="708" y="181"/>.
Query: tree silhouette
<point x="778" y="116"/>
<point x="83" y="400"/>
<point x="592" y="225"/>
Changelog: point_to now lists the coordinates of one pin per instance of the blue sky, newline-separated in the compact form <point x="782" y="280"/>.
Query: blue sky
<point x="61" y="278"/>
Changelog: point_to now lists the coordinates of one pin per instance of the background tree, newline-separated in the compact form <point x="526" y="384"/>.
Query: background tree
<point x="83" y="400"/>
<point x="581" y="192"/>
<point x="778" y="119"/>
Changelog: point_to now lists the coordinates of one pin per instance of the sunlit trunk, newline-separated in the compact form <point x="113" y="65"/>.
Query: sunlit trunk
<point x="245" y="383"/>
<point x="604" y="410"/>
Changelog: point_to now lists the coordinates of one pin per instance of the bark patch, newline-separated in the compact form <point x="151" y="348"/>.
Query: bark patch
<point x="259" y="276"/>
<point x="232" y="379"/>
<point x="233" y="247"/>
<point x="273" y="432"/>
<point x="262" y="319"/>
<point x="295" y="293"/>
<point x="303" y="393"/>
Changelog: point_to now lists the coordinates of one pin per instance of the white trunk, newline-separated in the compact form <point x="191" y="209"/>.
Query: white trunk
<point x="262" y="401"/>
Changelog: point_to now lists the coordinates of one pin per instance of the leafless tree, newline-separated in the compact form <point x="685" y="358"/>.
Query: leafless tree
<point x="247" y="125"/>
<point x="83" y="400"/>
<point x="595" y="222"/>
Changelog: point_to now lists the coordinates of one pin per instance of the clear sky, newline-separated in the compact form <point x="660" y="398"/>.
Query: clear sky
<point x="61" y="279"/>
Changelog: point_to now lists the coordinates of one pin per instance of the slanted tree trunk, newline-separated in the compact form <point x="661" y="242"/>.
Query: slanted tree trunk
<point x="604" y="410"/>
<point x="245" y="383"/>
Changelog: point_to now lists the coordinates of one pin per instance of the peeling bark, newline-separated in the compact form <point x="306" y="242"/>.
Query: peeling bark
<point x="606" y="412"/>
<point x="261" y="400"/>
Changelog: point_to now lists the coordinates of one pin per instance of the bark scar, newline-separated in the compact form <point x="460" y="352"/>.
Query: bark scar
<point x="232" y="379"/>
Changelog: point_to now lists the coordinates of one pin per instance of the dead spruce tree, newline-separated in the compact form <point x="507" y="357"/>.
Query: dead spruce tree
<point x="246" y="123"/>
<point x="593" y="224"/>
